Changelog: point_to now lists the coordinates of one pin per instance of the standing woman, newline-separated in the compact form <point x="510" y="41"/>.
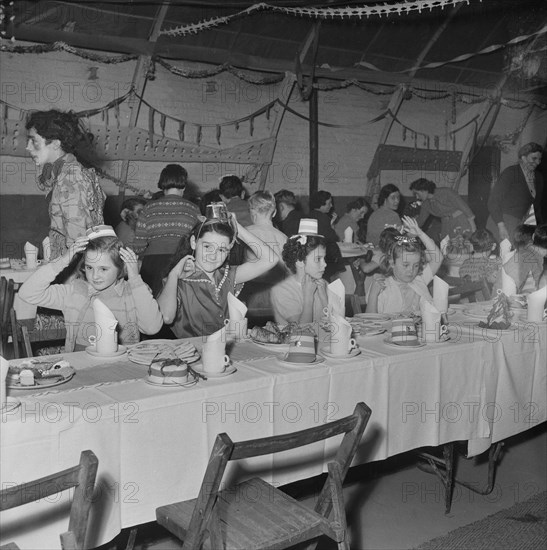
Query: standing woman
<point x="386" y="215"/>
<point x="161" y="225"/>
<point x="75" y="197"/>
<point x="518" y="188"/>
<point x="444" y="203"/>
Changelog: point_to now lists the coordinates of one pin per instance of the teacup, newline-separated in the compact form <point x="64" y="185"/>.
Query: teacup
<point x="236" y="329"/>
<point x="106" y="343"/>
<point x="434" y="332"/>
<point x="403" y="332"/>
<point x="342" y="346"/>
<point x="213" y="359"/>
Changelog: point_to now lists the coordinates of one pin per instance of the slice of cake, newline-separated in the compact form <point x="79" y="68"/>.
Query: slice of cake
<point x="500" y="314"/>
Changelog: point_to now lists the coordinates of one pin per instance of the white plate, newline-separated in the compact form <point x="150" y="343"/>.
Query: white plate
<point x="380" y="317"/>
<point x="149" y="359"/>
<point x="230" y="369"/>
<point x="11" y="404"/>
<point x="54" y="382"/>
<point x="354" y="352"/>
<point x="283" y="361"/>
<point x="275" y="347"/>
<point x="388" y="342"/>
<point x="443" y="341"/>
<point x="192" y="382"/>
<point x="92" y="351"/>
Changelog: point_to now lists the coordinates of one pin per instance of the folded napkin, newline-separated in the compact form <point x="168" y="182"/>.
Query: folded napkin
<point x="4" y="366"/>
<point x="348" y="235"/>
<point x="29" y="247"/>
<point x="342" y="328"/>
<point x="431" y="314"/>
<point x="236" y="308"/>
<point x="336" y="298"/>
<point x="508" y="285"/>
<point x="105" y="320"/>
<point x="440" y="294"/>
<point x="536" y="305"/>
<point x="505" y="251"/>
<point x="444" y="244"/>
<point x="46" y="249"/>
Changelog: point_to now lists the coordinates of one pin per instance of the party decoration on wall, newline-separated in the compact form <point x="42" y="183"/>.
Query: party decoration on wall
<point x="7" y="18"/>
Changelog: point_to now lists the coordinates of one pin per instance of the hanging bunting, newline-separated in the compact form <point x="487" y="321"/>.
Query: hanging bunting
<point x="251" y="125"/>
<point x="415" y="137"/>
<point x="181" y="130"/>
<point x="437" y="141"/>
<point x="198" y="134"/>
<point x="218" y="133"/>
<point x="237" y="126"/>
<point x="404" y="133"/>
<point x="162" y="124"/>
<point x="151" y="113"/>
<point x="453" y="107"/>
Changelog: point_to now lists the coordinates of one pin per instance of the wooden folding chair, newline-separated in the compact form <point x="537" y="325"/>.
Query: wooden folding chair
<point x="80" y="477"/>
<point x="254" y="514"/>
<point x="7" y="295"/>
<point x="462" y="289"/>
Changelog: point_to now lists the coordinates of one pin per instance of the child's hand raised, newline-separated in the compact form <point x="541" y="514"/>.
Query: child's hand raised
<point x="79" y="245"/>
<point x="131" y="262"/>
<point x="185" y="267"/>
<point x="411" y="225"/>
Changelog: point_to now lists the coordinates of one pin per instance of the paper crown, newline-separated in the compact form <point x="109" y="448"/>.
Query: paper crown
<point x="302" y="350"/>
<point x="308" y="226"/>
<point x="100" y="231"/>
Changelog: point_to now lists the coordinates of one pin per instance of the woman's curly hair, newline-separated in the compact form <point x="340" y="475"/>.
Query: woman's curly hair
<point x="294" y="250"/>
<point x="400" y="247"/>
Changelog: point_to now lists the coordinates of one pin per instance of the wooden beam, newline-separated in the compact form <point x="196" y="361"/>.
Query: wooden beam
<point x="139" y="84"/>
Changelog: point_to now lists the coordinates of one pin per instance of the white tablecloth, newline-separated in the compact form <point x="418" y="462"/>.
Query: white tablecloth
<point x="153" y="443"/>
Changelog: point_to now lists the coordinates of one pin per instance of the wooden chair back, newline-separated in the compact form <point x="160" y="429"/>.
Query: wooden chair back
<point x="225" y="450"/>
<point x="80" y="477"/>
<point x="473" y="291"/>
<point x="7" y="295"/>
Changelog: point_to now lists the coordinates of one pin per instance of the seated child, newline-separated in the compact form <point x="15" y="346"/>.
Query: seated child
<point x="302" y="296"/>
<point x="406" y="279"/>
<point x="481" y="265"/>
<point x="129" y="213"/>
<point x="103" y="266"/>
<point x="526" y="265"/>
<point x="195" y="292"/>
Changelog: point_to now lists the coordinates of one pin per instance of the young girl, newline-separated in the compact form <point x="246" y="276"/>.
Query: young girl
<point x="406" y="279"/>
<point x="302" y="296"/>
<point x="194" y="295"/>
<point x="482" y="265"/>
<point x="103" y="267"/>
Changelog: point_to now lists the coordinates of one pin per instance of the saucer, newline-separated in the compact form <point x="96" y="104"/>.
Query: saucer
<point x="282" y="359"/>
<point x="388" y="342"/>
<point x="380" y="317"/>
<point x="92" y="351"/>
<point x="188" y="384"/>
<point x="352" y="353"/>
<point x="442" y="341"/>
<point x="10" y="405"/>
<point x="230" y="369"/>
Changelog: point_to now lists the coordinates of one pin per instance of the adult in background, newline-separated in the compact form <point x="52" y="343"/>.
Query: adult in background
<point x="76" y="200"/>
<point x="355" y="211"/>
<point x="386" y="214"/>
<point x="321" y="205"/>
<point x="518" y="188"/>
<point x="129" y="213"/>
<point x="232" y="193"/>
<point x="161" y="225"/>
<point x="287" y="211"/>
<point x="444" y="203"/>
<point x="256" y="293"/>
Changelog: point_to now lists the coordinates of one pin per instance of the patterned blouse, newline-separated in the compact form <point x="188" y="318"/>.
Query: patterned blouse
<point x="76" y="203"/>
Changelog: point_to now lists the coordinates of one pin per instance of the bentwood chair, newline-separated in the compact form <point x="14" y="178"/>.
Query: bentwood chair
<point x="255" y="514"/>
<point x="463" y="289"/>
<point x="80" y="477"/>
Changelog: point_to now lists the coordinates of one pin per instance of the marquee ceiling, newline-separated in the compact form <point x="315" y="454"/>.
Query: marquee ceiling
<point x="372" y="49"/>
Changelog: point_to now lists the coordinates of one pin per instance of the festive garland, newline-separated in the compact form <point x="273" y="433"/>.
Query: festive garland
<point x="317" y="13"/>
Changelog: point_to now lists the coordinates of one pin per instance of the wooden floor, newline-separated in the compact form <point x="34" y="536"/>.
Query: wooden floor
<point x="393" y="505"/>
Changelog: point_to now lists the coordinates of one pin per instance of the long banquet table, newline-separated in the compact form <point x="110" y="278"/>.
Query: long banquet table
<point x="153" y="443"/>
